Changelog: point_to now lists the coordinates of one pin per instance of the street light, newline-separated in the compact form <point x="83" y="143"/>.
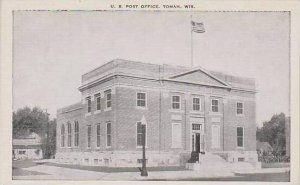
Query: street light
<point x="47" y="154"/>
<point x="144" y="170"/>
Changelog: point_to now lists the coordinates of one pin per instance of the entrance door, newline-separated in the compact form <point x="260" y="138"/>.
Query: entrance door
<point x="197" y="143"/>
<point x="197" y="138"/>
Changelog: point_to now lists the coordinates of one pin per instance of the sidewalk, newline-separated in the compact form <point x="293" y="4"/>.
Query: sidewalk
<point x="60" y="173"/>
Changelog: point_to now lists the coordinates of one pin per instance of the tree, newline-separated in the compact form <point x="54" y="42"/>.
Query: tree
<point x="273" y="131"/>
<point x="49" y="147"/>
<point x="27" y="120"/>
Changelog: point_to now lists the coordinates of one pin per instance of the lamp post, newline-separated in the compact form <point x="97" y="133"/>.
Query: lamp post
<point x="47" y="154"/>
<point x="144" y="170"/>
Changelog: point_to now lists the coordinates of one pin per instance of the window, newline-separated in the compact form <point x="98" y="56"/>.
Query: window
<point x="108" y="98"/>
<point x="22" y="152"/>
<point x="108" y="134"/>
<point x="141" y="99"/>
<point x="215" y="105"/>
<point x="62" y="135"/>
<point x="141" y="161"/>
<point x="175" y="102"/>
<point x="139" y="134"/>
<point x="76" y="143"/>
<point x="89" y="132"/>
<point x="239" y="108"/>
<point x="196" y="104"/>
<point x="176" y="135"/>
<point x="196" y="126"/>
<point x="240" y="136"/>
<point x="69" y="134"/>
<point x="98" y="135"/>
<point x="241" y="159"/>
<point x="98" y="101"/>
<point x="89" y="104"/>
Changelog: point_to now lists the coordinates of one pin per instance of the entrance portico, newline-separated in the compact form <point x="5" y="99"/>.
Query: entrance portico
<point x="197" y="135"/>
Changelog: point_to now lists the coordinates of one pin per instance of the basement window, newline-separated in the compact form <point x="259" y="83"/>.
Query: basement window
<point x="241" y="159"/>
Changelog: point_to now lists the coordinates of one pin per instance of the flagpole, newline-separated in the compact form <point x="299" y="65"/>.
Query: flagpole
<point x="191" y="43"/>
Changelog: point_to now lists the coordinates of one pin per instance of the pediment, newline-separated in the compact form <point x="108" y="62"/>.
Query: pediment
<point x="199" y="76"/>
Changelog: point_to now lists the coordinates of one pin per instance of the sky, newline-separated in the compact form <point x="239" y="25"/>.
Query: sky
<point x="52" y="49"/>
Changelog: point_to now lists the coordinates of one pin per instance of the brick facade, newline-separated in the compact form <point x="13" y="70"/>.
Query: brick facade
<point x="165" y="145"/>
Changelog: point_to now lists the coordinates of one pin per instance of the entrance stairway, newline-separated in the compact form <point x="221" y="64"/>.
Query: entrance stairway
<point x="213" y="162"/>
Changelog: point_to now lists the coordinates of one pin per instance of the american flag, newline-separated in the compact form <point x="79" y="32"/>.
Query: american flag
<point x="197" y="27"/>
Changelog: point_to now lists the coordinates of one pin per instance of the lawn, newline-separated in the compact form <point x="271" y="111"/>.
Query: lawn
<point x="115" y="169"/>
<point x="262" y="177"/>
<point x="23" y="163"/>
<point x="18" y="171"/>
<point x="275" y="165"/>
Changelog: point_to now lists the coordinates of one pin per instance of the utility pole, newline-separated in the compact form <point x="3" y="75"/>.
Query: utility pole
<point x="192" y="60"/>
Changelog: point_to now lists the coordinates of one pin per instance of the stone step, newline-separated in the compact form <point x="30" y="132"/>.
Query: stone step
<point x="213" y="162"/>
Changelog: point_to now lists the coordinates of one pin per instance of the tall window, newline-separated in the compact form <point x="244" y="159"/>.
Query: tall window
<point x="98" y="135"/>
<point x="76" y="134"/>
<point x="69" y="135"/>
<point x="89" y="132"/>
<point x="239" y="108"/>
<point x="215" y="105"/>
<point x="240" y="136"/>
<point x="62" y="134"/>
<point x="141" y="99"/>
<point x="108" y="98"/>
<point x="98" y="101"/>
<point x="196" y="104"/>
<point x="139" y="134"/>
<point x="108" y="134"/>
<point x="175" y="102"/>
<point x="89" y="104"/>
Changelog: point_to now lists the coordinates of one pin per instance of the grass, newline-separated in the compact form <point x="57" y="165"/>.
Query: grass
<point x="275" y="165"/>
<point x="116" y="169"/>
<point x="266" y="177"/>
<point x="21" y="172"/>
<point x="18" y="171"/>
<point x="23" y="163"/>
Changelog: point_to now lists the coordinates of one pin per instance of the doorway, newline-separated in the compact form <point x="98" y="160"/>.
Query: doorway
<point x="197" y="138"/>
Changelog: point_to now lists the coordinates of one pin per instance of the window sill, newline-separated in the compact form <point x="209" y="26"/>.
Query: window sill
<point x="141" y="108"/>
<point x="240" y="147"/>
<point x="107" y="109"/>
<point x="107" y="147"/>
<point x="176" y="111"/>
<point x="240" y="115"/>
<point x="88" y="114"/>
<point x="215" y="113"/>
<point x="97" y="112"/>
<point x="141" y="147"/>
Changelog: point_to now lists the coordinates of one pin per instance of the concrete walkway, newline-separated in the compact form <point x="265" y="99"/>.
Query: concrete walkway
<point x="60" y="173"/>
